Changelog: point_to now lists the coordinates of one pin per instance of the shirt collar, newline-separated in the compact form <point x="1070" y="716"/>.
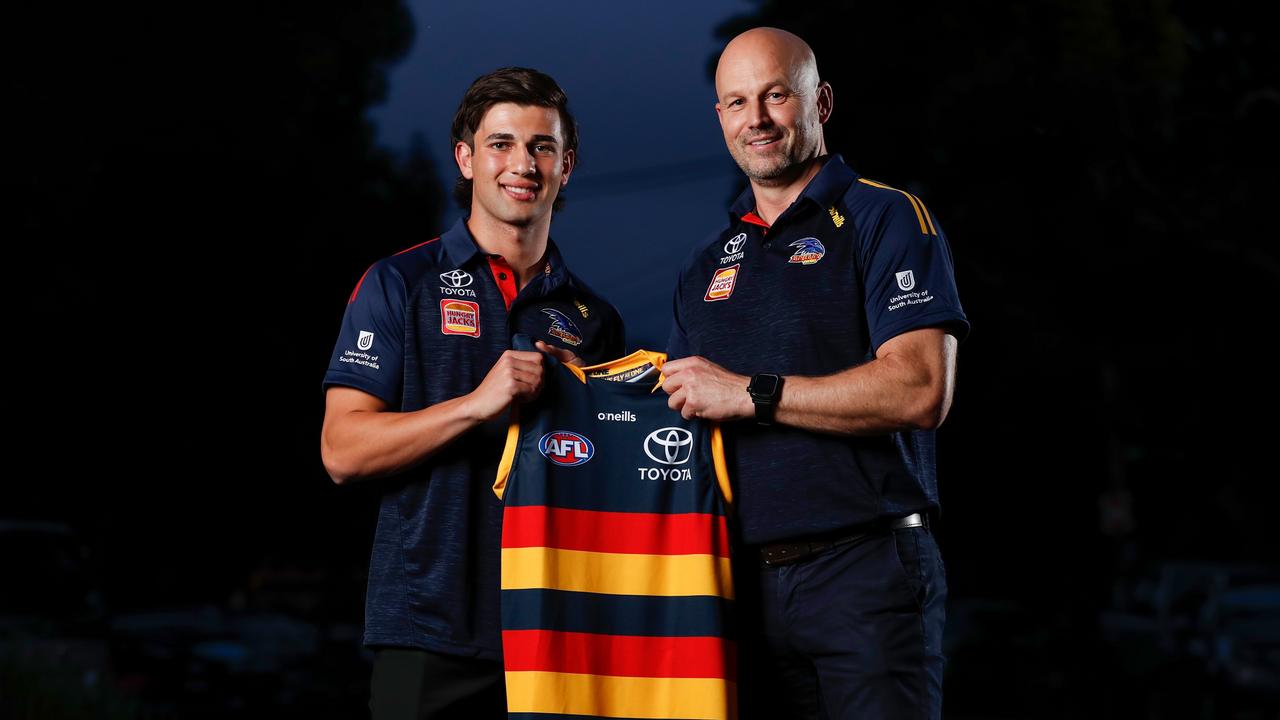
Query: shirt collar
<point x="461" y="247"/>
<point x="825" y="189"/>
<point x="458" y="243"/>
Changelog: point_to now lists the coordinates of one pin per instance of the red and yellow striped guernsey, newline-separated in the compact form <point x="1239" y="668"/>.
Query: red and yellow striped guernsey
<point x="616" y="582"/>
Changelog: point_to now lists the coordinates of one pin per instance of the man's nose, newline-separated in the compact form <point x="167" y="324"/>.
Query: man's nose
<point x="523" y="162"/>
<point x="758" y="115"/>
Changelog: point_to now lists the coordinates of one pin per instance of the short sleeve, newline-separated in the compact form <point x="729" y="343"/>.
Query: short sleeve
<point x="907" y="273"/>
<point x="369" y="354"/>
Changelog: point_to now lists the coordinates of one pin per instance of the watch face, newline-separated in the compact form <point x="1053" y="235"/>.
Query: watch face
<point x="763" y="384"/>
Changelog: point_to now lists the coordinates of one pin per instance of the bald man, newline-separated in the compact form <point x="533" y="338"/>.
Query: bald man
<point x="820" y="325"/>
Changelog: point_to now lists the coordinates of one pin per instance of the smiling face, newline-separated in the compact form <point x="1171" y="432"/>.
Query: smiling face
<point x="517" y="164"/>
<point x="771" y="105"/>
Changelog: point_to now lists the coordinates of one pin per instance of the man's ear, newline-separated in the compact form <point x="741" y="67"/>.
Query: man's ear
<point x="826" y="102"/>
<point x="462" y="155"/>
<point x="566" y="166"/>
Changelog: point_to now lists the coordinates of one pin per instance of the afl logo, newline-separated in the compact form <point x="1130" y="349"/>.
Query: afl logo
<point x="669" y="446"/>
<point x="566" y="448"/>
<point x="735" y="244"/>
<point x="456" y="278"/>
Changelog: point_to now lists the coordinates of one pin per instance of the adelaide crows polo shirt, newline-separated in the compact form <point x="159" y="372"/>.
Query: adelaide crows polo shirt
<point x="850" y="264"/>
<point x="424" y="326"/>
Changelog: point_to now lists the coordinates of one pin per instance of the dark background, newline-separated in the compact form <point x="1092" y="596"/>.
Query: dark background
<point x="193" y="191"/>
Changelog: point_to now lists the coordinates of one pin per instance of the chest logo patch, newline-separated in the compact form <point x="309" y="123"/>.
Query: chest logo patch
<point x="460" y="317"/>
<point x="808" y="251"/>
<point x="722" y="284"/>
<point x="562" y="327"/>
<point x="669" y="446"/>
<point x="566" y="448"/>
<point x="456" y="278"/>
<point x="733" y="248"/>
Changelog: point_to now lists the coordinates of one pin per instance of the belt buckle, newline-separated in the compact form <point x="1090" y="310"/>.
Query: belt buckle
<point x="778" y="555"/>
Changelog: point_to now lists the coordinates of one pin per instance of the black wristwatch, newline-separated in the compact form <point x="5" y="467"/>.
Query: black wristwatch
<point x="765" y="390"/>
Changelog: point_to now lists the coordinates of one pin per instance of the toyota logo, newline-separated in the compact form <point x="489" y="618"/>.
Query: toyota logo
<point x="456" y="278"/>
<point x="669" y="446"/>
<point x="735" y="244"/>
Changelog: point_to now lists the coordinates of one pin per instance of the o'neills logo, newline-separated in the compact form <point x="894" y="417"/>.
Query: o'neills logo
<point x="459" y="317"/>
<point x="722" y="283"/>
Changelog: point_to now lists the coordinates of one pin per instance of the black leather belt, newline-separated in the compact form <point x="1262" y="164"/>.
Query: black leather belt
<point x="786" y="553"/>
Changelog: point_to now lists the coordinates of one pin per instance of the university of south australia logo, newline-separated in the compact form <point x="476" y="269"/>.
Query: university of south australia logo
<point x="566" y="448"/>
<point x="906" y="280"/>
<point x="365" y="341"/>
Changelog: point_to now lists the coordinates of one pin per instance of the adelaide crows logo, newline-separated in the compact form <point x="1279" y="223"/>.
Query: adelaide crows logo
<point x="809" y="251"/>
<point x="562" y="327"/>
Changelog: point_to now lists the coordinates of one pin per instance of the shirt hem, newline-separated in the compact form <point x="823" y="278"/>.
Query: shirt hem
<point x="933" y="319"/>
<point x="443" y="647"/>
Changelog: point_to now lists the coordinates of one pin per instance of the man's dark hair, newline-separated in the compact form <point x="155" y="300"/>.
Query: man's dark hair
<point x="522" y="86"/>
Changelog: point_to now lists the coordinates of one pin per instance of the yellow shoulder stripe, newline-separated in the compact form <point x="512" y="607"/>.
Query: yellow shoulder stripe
<point x="922" y="213"/>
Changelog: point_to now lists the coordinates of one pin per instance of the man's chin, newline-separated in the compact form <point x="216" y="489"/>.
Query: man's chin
<point x="770" y="173"/>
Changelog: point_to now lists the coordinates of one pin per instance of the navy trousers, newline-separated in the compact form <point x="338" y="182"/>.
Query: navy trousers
<point x="410" y="684"/>
<point x="852" y="632"/>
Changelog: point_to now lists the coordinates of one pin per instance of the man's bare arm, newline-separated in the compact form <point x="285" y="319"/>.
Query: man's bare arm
<point x="362" y="439"/>
<point x="908" y="386"/>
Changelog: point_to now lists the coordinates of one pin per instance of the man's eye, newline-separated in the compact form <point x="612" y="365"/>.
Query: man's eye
<point x="543" y="148"/>
<point x="775" y="97"/>
<point x="499" y="146"/>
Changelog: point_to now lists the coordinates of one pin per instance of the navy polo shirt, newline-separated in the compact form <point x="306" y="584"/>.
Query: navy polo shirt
<point x="850" y="264"/>
<point x="424" y="326"/>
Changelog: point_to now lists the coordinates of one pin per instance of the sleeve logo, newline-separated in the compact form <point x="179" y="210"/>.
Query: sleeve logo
<point x="722" y="284"/>
<point x="460" y="317"/>
<point x="906" y="280"/>
<point x="566" y="448"/>
<point x="365" y="341"/>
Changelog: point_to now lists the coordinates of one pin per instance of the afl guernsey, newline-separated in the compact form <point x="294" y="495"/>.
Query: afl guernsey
<point x="616" y="584"/>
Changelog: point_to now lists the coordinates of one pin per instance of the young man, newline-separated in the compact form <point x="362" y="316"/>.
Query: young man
<point x="821" y="327"/>
<point x="420" y="386"/>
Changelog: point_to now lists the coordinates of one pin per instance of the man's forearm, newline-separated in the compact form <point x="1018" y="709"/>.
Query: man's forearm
<point x="908" y="386"/>
<point x="362" y="444"/>
<point x="876" y="398"/>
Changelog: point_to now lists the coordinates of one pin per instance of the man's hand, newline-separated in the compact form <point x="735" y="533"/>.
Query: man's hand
<point x="700" y="388"/>
<point x="565" y="356"/>
<point x="516" y="377"/>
